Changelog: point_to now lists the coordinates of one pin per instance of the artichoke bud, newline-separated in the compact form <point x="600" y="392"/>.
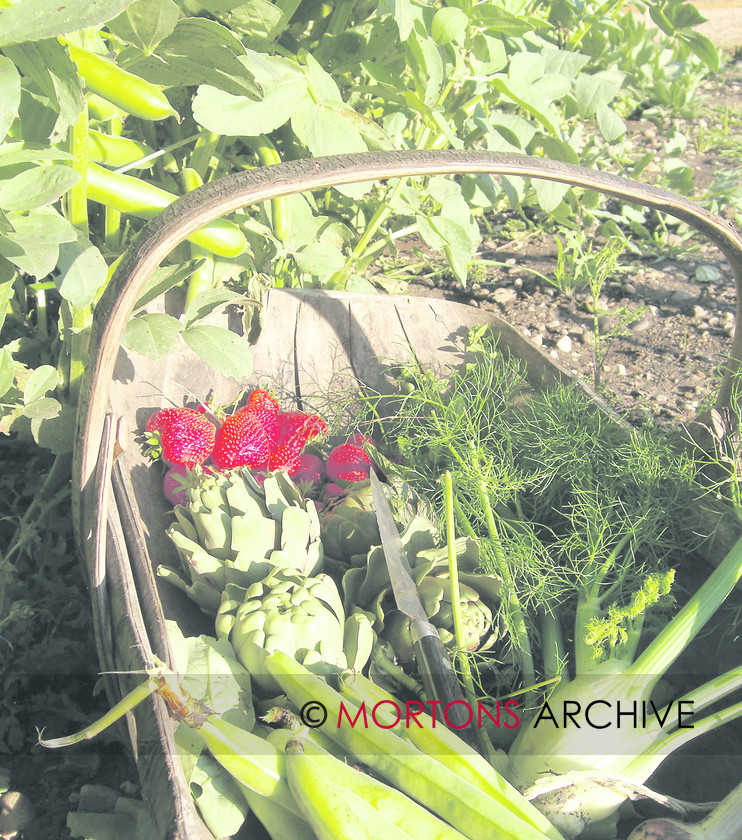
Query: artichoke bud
<point x="288" y="611"/>
<point x="230" y="532"/>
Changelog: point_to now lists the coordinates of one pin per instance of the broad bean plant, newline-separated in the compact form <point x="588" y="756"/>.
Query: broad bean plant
<point x="111" y="109"/>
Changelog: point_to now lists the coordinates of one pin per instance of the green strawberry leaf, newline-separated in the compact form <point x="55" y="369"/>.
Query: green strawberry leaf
<point x="221" y="349"/>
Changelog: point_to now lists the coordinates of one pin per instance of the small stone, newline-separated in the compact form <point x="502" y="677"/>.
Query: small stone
<point x="641" y="325"/>
<point x="518" y="283"/>
<point x="17" y="813"/>
<point x="564" y="344"/>
<point x="604" y="323"/>
<point x="553" y="325"/>
<point x="537" y="339"/>
<point x="587" y="338"/>
<point x="682" y="299"/>
<point x="699" y="312"/>
<point x="621" y="370"/>
<point x="503" y="296"/>
<point x="629" y="289"/>
<point x="510" y="261"/>
<point x="479" y="293"/>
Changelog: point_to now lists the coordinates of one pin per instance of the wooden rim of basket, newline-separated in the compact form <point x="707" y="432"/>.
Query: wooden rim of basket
<point x="213" y="200"/>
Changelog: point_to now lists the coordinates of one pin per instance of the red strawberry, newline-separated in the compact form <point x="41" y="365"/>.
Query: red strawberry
<point x="284" y="458"/>
<point x="359" y="439"/>
<point x="160" y="419"/>
<point x="267" y="420"/>
<point x="179" y="480"/>
<point x="185" y="435"/>
<point x="240" y="441"/>
<point x="348" y="462"/>
<point x="308" y="477"/>
<point x="295" y="428"/>
<point x="260" y="399"/>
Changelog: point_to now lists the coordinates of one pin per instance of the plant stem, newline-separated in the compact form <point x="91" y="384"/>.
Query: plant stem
<point x="675" y="636"/>
<point x="125" y="705"/>
<point x="483" y="741"/>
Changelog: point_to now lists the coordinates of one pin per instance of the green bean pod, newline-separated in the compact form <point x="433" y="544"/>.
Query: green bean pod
<point x="132" y="94"/>
<point x="473" y="812"/>
<point x="279" y="822"/>
<point x="447" y="748"/>
<point x="114" y="151"/>
<point x="332" y="811"/>
<point x="389" y="803"/>
<point x="143" y="200"/>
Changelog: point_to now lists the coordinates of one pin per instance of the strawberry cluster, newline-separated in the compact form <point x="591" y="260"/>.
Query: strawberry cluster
<point x="259" y="436"/>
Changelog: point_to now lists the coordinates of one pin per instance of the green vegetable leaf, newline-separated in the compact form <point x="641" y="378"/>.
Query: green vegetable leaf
<point x="43" y="379"/>
<point x="14" y="153"/>
<point x="209" y="301"/>
<point x="10" y="94"/>
<point x="48" y="64"/>
<point x="220" y="802"/>
<point x="703" y="48"/>
<point x="501" y="22"/>
<point x="319" y="259"/>
<point x="145" y="23"/>
<point x="449" y="24"/>
<point x="404" y="15"/>
<point x="7" y="276"/>
<point x="226" y="352"/>
<point x="82" y="272"/>
<point x="154" y="335"/>
<point x="611" y="126"/>
<point x="522" y="94"/>
<point x="34" y="243"/>
<point x="7" y="371"/>
<point x="31" y="20"/>
<point x="166" y="277"/>
<point x="284" y="88"/>
<point x="259" y="20"/>
<point x="201" y="52"/>
<point x="37" y="187"/>
<point x="549" y="193"/>
<point x="42" y="409"/>
<point x="56" y="434"/>
<point x="597" y="90"/>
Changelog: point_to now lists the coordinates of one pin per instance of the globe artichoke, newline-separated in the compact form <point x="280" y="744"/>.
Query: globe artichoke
<point x="232" y="530"/>
<point x="297" y="614"/>
<point x="367" y="585"/>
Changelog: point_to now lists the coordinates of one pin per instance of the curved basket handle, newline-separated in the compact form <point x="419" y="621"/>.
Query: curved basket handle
<point x="213" y="200"/>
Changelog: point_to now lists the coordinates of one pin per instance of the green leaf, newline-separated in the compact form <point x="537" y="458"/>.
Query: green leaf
<point x="521" y="93"/>
<point x="43" y="379"/>
<point x="10" y="94"/>
<point x="449" y="24"/>
<point x="319" y="259"/>
<point x="7" y="278"/>
<point x="56" y="433"/>
<point x="324" y="129"/>
<point x="209" y="301"/>
<point x="596" y="90"/>
<point x="404" y="15"/>
<point x="611" y="126"/>
<point x="564" y="62"/>
<point x="145" y="23"/>
<point x="42" y="409"/>
<point x="31" y="20"/>
<point x="154" y="335"/>
<point x="549" y="193"/>
<point x="14" y="153"/>
<point x="166" y="277"/>
<point x="226" y="352"/>
<point x="284" y="88"/>
<point x="33" y="245"/>
<point x="703" y="48"/>
<point x="501" y="22"/>
<point x="48" y="64"/>
<point x="260" y="21"/>
<point x="220" y="802"/>
<point x="82" y="272"/>
<point x="201" y="52"/>
<point x="684" y="15"/>
<point x="7" y="371"/>
<point x="37" y="187"/>
<point x="452" y="238"/>
<point x="94" y="826"/>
